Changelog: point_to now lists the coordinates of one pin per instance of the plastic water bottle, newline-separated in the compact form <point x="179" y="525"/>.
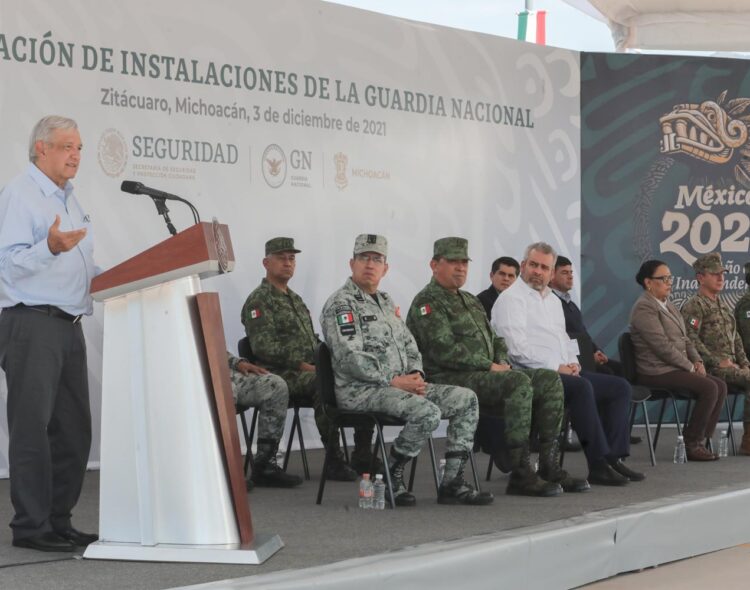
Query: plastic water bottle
<point x="723" y="444"/>
<point x="679" y="451"/>
<point x="378" y="493"/>
<point x="441" y="470"/>
<point x="365" y="491"/>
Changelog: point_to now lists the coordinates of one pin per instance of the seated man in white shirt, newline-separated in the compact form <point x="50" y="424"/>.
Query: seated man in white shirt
<point x="531" y="320"/>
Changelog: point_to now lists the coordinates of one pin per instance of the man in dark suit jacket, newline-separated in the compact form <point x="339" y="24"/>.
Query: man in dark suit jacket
<point x="503" y="273"/>
<point x="561" y="284"/>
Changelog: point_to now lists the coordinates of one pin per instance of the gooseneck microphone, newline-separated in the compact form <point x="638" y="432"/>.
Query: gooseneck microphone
<point x="159" y="198"/>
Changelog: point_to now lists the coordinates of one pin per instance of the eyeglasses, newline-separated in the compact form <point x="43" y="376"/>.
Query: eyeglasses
<point x="374" y="258"/>
<point x="668" y="279"/>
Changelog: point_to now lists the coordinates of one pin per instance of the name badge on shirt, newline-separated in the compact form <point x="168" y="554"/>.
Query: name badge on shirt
<point x="369" y="318"/>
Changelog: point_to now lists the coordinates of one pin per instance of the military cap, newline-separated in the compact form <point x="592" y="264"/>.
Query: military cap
<point x="371" y="243"/>
<point x="275" y="245"/>
<point x="451" y="249"/>
<point x="709" y="263"/>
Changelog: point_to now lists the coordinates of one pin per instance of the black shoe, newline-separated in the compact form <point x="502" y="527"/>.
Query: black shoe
<point x="77" y="537"/>
<point x="249" y="485"/>
<point x="460" y="492"/>
<point x="402" y="497"/>
<point x="635" y="440"/>
<point x="625" y="471"/>
<point x="45" y="542"/>
<point x="550" y="470"/>
<point x="528" y="483"/>
<point x="338" y="470"/>
<point x="602" y="474"/>
<point x="270" y="475"/>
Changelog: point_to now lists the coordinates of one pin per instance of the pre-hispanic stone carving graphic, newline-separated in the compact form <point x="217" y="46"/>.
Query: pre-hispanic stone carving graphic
<point x="712" y="131"/>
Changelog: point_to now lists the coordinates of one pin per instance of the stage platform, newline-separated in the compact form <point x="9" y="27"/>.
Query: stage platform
<point x="517" y="543"/>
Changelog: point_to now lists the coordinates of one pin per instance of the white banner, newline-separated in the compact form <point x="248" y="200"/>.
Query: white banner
<point x="301" y="119"/>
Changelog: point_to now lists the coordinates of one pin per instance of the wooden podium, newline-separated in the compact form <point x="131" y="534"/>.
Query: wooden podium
<point x="171" y="483"/>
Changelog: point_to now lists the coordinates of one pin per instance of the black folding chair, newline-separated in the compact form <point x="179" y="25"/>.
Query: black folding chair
<point x="642" y="394"/>
<point x="351" y="419"/>
<point x="246" y="352"/>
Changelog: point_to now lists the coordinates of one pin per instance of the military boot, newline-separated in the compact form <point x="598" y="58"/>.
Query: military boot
<point x="745" y="446"/>
<point x="523" y="479"/>
<point x="401" y="496"/>
<point x="453" y="489"/>
<point x="361" y="460"/>
<point x="337" y="468"/>
<point x="550" y="470"/>
<point x="266" y="472"/>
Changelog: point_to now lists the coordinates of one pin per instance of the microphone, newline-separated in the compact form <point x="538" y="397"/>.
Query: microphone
<point x="138" y="188"/>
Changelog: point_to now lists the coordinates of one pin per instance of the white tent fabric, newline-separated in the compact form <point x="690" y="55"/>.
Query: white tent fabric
<point x="697" y="25"/>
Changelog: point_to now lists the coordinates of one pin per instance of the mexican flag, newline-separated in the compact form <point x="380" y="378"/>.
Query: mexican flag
<point x="531" y="26"/>
<point x="345" y="318"/>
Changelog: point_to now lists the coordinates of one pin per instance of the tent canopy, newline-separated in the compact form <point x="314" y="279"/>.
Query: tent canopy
<point x="695" y="25"/>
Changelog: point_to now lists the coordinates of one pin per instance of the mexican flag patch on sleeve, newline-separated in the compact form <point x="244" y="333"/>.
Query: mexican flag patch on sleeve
<point x="694" y="323"/>
<point x="425" y="309"/>
<point x="255" y="313"/>
<point x="346" y="317"/>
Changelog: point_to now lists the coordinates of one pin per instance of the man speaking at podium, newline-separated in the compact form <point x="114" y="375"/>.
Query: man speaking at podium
<point x="46" y="267"/>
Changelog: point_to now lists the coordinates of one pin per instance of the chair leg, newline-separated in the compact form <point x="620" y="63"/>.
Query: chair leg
<point x="248" y="443"/>
<point x="412" y="473"/>
<point x="343" y="444"/>
<point x="303" y="451"/>
<point x="489" y="469"/>
<point x="661" y="418"/>
<point x="435" y="474"/>
<point x="387" y="469"/>
<point x="292" y="431"/>
<point x="322" y="484"/>
<point x="649" y="440"/>
<point x="730" y="423"/>
<point x="474" y="470"/>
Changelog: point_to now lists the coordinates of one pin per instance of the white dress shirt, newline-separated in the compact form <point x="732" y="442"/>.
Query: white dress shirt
<point x="533" y="326"/>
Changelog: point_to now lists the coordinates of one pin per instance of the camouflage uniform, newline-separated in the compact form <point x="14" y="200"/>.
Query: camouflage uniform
<point x="712" y="329"/>
<point x="281" y="336"/>
<point x="268" y="393"/>
<point x="370" y="345"/>
<point x="459" y="347"/>
<point x="742" y="317"/>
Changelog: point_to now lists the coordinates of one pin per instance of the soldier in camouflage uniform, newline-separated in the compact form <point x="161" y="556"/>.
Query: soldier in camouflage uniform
<point x="378" y="368"/>
<point x="459" y="347"/>
<point x="255" y="387"/>
<point x="280" y="330"/>
<point x="742" y="313"/>
<point x="712" y="328"/>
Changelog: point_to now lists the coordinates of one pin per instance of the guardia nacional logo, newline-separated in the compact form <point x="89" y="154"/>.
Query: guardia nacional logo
<point x="274" y="166"/>
<point x="112" y="153"/>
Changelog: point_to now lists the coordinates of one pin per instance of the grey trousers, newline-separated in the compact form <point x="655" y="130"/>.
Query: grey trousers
<point x="49" y="420"/>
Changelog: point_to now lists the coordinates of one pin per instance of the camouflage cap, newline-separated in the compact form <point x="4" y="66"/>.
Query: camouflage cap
<point x="709" y="263"/>
<point x="275" y="245"/>
<point x="451" y="249"/>
<point x="371" y="243"/>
